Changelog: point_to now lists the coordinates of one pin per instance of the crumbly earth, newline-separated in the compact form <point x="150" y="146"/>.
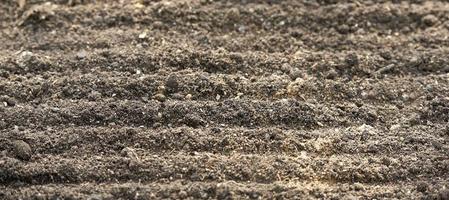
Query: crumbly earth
<point x="235" y="99"/>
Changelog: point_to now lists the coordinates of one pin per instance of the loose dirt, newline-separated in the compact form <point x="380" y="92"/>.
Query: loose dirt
<point x="236" y="99"/>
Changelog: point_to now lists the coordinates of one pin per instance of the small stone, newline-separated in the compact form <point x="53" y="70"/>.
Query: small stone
<point x="296" y="34"/>
<point x="21" y="150"/>
<point x="430" y="20"/>
<point x="26" y="55"/>
<point x="239" y="95"/>
<point x="183" y="194"/>
<point x="233" y="14"/>
<point x="81" y="54"/>
<point x="429" y="88"/>
<point x="160" y="97"/>
<point x="189" y="96"/>
<point x="216" y="130"/>
<point x="352" y="60"/>
<point x="193" y="121"/>
<point x="422" y="187"/>
<point x="172" y="83"/>
<point x="159" y="116"/>
<point x="157" y="124"/>
<point x="132" y="157"/>
<point x="242" y="29"/>
<point x="21" y="3"/>
<point x="98" y="19"/>
<point x="303" y="155"/>
<point x="295" y="73"/>
<point x="139" y="6"/>
<point x="143" y="35"/>
<point x="286" y="67"/>
<point x="358" y="186"/>
<point x="386" y="69"/>
<point x="385" y="55"/>
<point x="158" y="25"/>
<point x="8" y="101"/>
<point x="331" y="74"/>
<point x="161" y="88"/>
<point x="415" y="61"/>
<point x="343" y="29"/>
<point x="130" y="153"/>
<point x="364" y="128"/>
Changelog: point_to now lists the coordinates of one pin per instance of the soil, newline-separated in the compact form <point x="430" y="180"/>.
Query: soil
<point x="236" y="99"/>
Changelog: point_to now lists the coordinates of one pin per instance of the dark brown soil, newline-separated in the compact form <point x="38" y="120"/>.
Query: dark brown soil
<point x="236" y="99"/>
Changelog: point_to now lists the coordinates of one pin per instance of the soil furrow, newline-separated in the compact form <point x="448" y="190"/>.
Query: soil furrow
<point x="247" y="113"/>
<point x="212" y="167"/>
<point x="218" y="140"/>
<point x="215" y="190"/>
<point x="220" y="87"/>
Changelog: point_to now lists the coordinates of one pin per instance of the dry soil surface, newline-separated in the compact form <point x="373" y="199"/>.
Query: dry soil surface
<point x="236" y="99"/>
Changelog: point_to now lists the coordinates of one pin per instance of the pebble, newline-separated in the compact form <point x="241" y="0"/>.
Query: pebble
<point x="183" y="194"/>
<point x="343" y="29"/>
<point x="172" y="83"/>
<point x="21" y="150"/>
<point x="26" y="55"/>
<point x="352" y="60"/>
<point x="331" y="74"/>
<point x="8" y="101"/>
<point x="160" y="97"/>
<point x="21" y="3"/>
<point x="143" y="35"/>
<point x="157" y="124"/>
<point x="295" y="73"/>
<point x="364" y="128"/>
<point x="130" y="153"/>
<point x="285" y="67"/>
<point x="242" y="29"/>
<point x="386" y="55"/>
<point x="358" y="186"/>
<point x="386" y="69"/>
<point x="81" y="54"/>
<point x="133" y="159"/>
<point x="233" y="14"/>
<point x="216" y="130"/>
<point x="422" y="187"/>
<point x="193" y="121"/>
<point x="430" y="20"/>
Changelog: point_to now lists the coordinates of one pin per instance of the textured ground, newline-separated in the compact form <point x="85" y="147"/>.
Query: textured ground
<point x="206" y="99"/>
